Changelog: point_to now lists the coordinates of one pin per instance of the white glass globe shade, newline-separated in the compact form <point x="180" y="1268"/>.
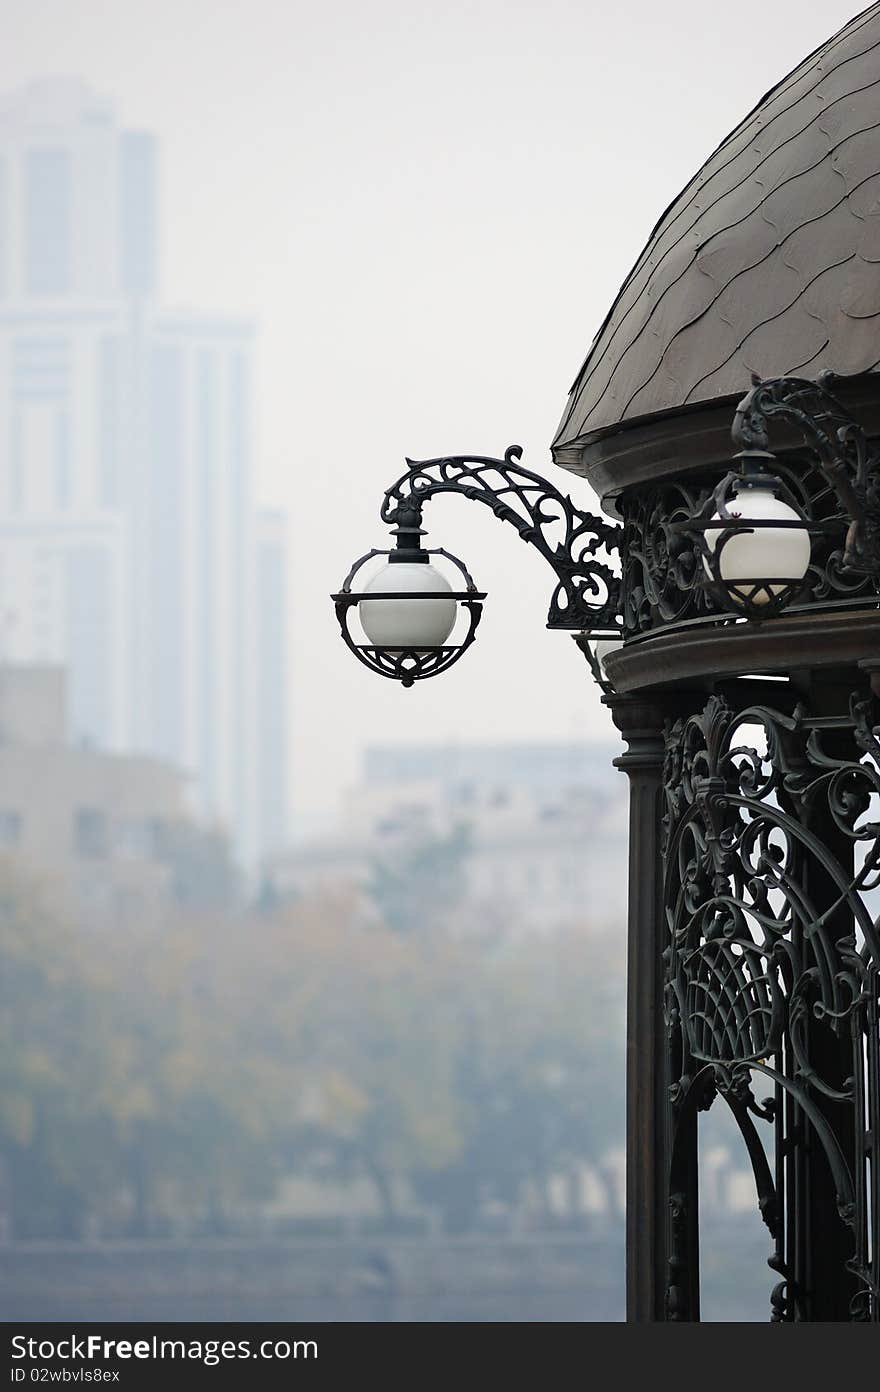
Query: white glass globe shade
<point x="407" y="623"/>
<point x="603" y="648"/>
<point x="767" y="553"/>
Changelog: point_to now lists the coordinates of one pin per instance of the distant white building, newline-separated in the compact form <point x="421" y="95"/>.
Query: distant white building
<point x="545" y="828"/>
<point x="128" y="537"/>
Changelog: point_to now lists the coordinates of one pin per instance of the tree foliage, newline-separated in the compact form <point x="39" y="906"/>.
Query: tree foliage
<point x="169" y="1077"/>
<point x="418" y="886"/>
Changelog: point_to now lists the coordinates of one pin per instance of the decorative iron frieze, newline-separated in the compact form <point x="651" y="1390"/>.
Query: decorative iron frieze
<point x="843" y="453"/>
<point x="664" y="581"/>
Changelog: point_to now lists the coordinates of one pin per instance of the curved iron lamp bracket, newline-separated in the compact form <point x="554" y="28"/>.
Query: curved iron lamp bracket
<point x="587" y="594"/>
<point x="843" y="452"/>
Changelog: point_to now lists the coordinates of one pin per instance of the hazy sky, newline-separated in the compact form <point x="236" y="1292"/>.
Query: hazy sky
<point x="427" y="209"/>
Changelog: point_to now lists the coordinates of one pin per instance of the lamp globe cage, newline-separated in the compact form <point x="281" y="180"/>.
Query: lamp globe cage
<point x="408" y="609"/>
<point x="755" y="544"/>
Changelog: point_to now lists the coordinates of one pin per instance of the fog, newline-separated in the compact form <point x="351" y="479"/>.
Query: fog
<point x="428" y="211"/>
<point x="295" y="960"/>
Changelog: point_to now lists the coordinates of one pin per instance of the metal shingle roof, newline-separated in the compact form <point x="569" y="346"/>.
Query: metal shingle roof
<point x="768" y="261"/>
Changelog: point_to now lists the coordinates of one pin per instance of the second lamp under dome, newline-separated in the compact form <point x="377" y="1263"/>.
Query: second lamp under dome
<point x="752" y="538"/>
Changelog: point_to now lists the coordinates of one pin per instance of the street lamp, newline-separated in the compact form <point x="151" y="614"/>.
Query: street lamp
<point x="756" y="544"/>
<point x="751" y="539"/>
<point x="407" y="610"/>
<point x="597" y="651"/>
<point x="751" y="535"/>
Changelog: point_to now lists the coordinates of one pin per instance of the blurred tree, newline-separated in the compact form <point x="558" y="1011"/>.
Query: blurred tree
<point x="471" y="1075"/>
<point x="55" y="1132"/>
<point x="204" y="876"/>
<point x="206" y="1080"/>
<point x="420" y="884"/>
<point x="540" y="1072"/>
<point x="376" y="1049"/>
<point x="175" y="1072"/>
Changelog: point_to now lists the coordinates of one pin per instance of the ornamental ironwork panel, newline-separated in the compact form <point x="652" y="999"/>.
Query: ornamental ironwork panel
<point x="771" y="847"/>
<point x="664" y="582"/>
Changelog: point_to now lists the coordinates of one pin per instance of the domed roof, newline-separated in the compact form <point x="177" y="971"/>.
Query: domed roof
<point x="768" y="262"/>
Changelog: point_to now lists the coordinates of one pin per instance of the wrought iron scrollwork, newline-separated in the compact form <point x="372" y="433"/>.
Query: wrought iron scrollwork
<point x="832" y="481"/>
<point x="578" y="546"/>
<point x="662" y="576"/>
<point x="772" y="864"/>
<point x="664" y="582"/>
<point x="840" y="445"/>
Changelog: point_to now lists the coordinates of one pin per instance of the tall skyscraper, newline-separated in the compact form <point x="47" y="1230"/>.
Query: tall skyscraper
<point x="271" y="629"/>
<point x="129" y="544"/>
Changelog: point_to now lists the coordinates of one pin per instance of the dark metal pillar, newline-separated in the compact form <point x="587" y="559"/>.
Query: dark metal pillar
<point x="820" y="1240"/>
<point x="641" y="724"/>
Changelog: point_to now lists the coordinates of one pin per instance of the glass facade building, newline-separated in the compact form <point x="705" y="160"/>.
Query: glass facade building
<point x="129" y="546"/>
